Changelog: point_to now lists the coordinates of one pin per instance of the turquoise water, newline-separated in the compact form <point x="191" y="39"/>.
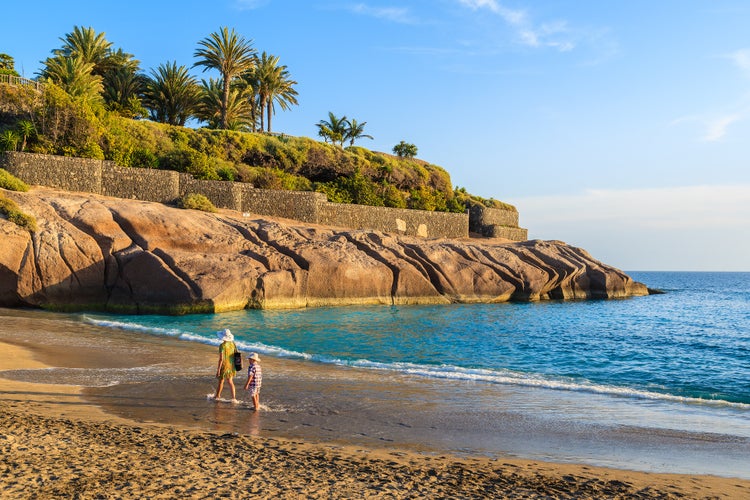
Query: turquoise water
<point x="689" y="346"/>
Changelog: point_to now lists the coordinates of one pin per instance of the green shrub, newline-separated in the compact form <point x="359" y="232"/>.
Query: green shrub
<point x="190" y="161"/>
<point x="392" y="197"/>
<point x="14" y="215"/>
<point x="9" y="140"/>
<point x="195" y="201"/>
<point x="274" y="178"/>
<point x="353" y="189"/>
<point x="405" y="149"/>
<point x="226" y="173"/>
<point x="143" y="158"/>
<point x="12" y="183"/>
<point x="90" y="150"/>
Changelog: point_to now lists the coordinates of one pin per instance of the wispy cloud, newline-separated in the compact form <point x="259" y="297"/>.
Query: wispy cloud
<point x="250" y="4"/>
<point x="717" y="128"/>
<point x="741" y="59"/>
<point x="401" y="15"/>
<point x="554" y="35"/>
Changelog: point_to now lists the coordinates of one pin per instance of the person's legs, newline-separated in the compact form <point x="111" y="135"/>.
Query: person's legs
<point x="219" y="388"/>
<point x="231" y="386"/>
<point x="256" y="400"/>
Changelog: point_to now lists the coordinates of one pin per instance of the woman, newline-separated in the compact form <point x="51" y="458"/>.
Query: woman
<point x="225" y="370"/>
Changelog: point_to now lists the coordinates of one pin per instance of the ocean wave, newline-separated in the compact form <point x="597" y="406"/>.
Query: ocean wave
<point x="509" y="377"/>
<point x="447" y="372"/>
<point x="194" y="337"/>
<point x="133" y="327"/>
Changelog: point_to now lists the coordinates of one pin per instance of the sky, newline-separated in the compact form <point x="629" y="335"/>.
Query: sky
<point x="620" y="127"/>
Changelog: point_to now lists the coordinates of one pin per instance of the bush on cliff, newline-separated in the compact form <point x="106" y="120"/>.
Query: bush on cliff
<point x="12" y="183"/>
<point x="195" y="201"/>
<point x="63" y="125"/>
<point x="10" y="210"/>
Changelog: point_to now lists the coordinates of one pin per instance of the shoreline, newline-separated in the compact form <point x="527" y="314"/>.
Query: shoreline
<point x="201" y="461"/>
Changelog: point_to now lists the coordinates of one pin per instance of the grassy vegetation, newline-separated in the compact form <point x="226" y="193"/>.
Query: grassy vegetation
<point x="195" y="201"/>
<point x="10" y="210"/>
<point x="70" y="127"/>
<point x="11" y="183"/>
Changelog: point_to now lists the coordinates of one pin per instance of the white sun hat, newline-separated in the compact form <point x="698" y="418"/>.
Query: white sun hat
<point x="225" y="335"/>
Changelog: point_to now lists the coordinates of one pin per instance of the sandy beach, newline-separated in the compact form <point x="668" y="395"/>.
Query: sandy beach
<point x="64" y="435"/>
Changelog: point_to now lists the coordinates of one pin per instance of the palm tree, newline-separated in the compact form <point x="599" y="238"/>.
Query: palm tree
<point x="249" y="89"/>
<point x="171" y="94"/>
<point x="273" y="85"/>
<point x="123" y="85"/>
<point x="239" y="112"/>
<point x="405" y="150"/>
<point x="7" y="65"/>
<point x="333" y="129"/>
<point x="88" y="45"/>
<point x="231" y="55"/>
<point x="26" y="130"/>
<point x="74" y="76"/>
<point x="118" y="69"/>
<point x="355" y="131"/>
<point x="122" y="88"/>
<point x="120" y="60"/>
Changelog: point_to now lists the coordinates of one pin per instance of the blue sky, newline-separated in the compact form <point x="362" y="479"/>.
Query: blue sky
<point x="620" y="126"/>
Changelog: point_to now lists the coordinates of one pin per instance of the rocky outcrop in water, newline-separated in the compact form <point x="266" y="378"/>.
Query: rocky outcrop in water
<point x="94" y="252"/>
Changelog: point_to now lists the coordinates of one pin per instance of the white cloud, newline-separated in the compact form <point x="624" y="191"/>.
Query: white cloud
<point x="400" y="15"/>
<point x="741" y="59"/>
<point x="717" y="128"/>
<point x="553" y="35"/>
<point x="249" y="4"/>
<point x="716" y="125"/>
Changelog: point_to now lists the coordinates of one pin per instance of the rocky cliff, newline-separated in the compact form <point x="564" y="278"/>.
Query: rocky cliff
<point x="98" y="253"/>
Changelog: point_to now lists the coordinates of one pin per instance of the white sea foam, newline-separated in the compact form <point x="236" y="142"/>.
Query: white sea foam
<point x="135" y="327"/>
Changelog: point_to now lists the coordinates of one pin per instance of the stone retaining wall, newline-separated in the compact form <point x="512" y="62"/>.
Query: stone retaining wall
<point x="483" y="216"/>
<point x="61" y="172"/>
<point x="396" y="220"/>
<point x="298" y="205"/>
<point x="165" y="186"/>
<point x="221" y="193"/>
<point x="140" y="183"/>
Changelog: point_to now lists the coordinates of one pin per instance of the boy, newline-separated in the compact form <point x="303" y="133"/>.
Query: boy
<point x="254" y="379"/>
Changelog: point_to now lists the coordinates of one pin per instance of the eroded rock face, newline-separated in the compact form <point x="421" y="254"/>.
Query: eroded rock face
<point x="94" y="252"/>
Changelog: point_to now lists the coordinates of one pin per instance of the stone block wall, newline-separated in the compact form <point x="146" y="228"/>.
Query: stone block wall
<point x="164" y="186"/>
<point x="61" y="172"/>
<point x="483" y="216"/>
<point x="396" y="220"/>
<point x="303" y="206"/>
<point x="509" y="233"/>
<point x="140" y="183"/>
<point x="221" y="193"/>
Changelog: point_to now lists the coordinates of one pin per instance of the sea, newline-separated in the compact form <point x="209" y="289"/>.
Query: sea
<point x="659" y="383"/>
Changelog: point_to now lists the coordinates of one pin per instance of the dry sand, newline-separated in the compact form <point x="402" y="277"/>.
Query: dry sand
<point x="55" y="445"/>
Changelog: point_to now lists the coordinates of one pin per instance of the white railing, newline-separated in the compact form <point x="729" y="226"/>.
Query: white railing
<point x="19" y="80"/>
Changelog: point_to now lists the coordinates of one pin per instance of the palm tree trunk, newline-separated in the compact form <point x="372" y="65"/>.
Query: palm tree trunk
<point x="262" y="106"/>
<point x="269" y="107"/>
<point x="225" y="104"/>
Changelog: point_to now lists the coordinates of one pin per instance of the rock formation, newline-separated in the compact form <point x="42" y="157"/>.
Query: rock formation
<point x="98" y="253"/>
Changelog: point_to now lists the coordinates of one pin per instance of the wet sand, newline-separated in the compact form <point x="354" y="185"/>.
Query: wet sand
<point x="126" y="416"/>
